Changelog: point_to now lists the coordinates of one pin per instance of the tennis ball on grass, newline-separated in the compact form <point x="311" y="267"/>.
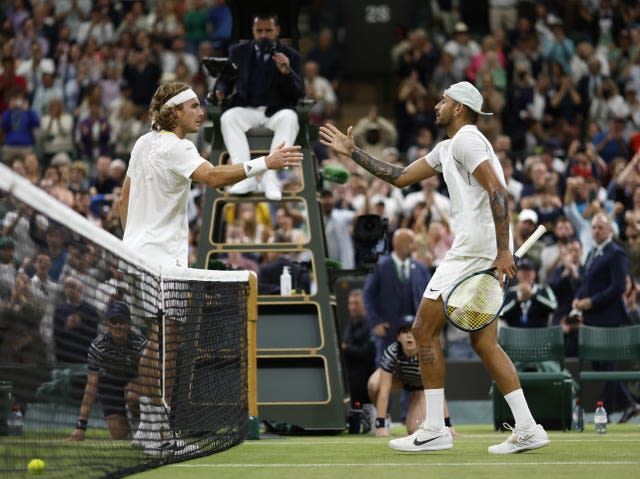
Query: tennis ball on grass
<point x="36" y="466"/>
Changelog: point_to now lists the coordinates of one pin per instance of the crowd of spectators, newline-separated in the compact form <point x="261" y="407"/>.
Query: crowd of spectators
<point x="563" y="85"/>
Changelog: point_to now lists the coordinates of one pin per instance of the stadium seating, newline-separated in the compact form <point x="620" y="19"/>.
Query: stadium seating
<point x="538" y="354"/>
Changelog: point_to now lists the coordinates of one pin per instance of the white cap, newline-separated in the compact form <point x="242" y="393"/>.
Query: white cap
<point x="465" y="93"/>
<point x="529" y="215"/>
<point x="47" y="66"/>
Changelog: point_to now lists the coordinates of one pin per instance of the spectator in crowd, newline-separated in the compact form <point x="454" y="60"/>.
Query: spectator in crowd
<point x="33" y="66"/>
<point x="8" y="265"/>
<point x="220" y="22"/>
<point x="142" y="76"/>
<point x="328" y="57"/>
<point x="337" y="229"/>
<point x="394" y="290"/>
<point x="56" y="131"/>
<point x="358" y="348"/>
<point x="112" y="369"/>
<point x="19" y="123"/>
<point x="551" y="255"/>
<point x="600" y="302"/>
<point x="20" y="341"/>
<point x="558" y="48"/>
<point x="101" y="181"/>
<point x="528" y="304"/>
<point x="47" y="90"/>
<point x="94" y="133"/>
<point x="125" y="129"/>
<point x="75" y="324"/>
<point x="526" y="225"/>
<point x="266" y="93"/>
<point x="565" y="279"/>
<point x="319" y="89"/>
<point x="611" y="143"/>
<point x="462" y="49"/>
<point x="18" y="225"/>
<point x="373" y="133"/>
<point x="9" y="81"/>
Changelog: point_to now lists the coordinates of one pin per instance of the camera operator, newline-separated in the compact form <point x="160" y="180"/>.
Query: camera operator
<point x="394" y="290"/>
<point x="267" y="90"/>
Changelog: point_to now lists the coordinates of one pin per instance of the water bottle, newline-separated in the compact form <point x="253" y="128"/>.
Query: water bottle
<point x="577" y="418"/>
<point x="600" y="418"/>
<point x="285" y="282"/>
<point x="354" y="421"/>
<point x="15" y="421"/>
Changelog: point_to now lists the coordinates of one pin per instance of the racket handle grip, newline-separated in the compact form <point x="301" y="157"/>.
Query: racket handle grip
<point x="535" y="236"/>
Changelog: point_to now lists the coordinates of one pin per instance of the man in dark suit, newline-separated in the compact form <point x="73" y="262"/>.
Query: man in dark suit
<point x="394" y="290"/>
<point x="267" y="90"/>
<point x="599" y="298"/>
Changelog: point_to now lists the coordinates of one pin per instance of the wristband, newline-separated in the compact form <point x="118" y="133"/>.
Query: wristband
<point x="447" y="421"/>
<point x="82" y="424"/>
<point x="380" y="422"/>
<point x="255" y="167"/>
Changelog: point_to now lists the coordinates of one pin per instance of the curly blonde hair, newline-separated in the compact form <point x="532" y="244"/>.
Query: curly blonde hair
<point x="165" y="118"/>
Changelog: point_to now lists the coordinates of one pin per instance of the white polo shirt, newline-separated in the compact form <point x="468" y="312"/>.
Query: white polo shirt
<point x="457" y="158"/>
<point x="160" y="172"/>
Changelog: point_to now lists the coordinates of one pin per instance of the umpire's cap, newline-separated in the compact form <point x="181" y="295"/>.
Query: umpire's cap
<point x="119" y="312"/>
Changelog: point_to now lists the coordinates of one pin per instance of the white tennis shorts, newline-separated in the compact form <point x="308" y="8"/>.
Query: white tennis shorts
<point x="452" y="269"/>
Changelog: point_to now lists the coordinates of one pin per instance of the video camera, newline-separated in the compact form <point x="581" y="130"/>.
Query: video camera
<point x="370" y="239"/>
<point x="220" y="67"/>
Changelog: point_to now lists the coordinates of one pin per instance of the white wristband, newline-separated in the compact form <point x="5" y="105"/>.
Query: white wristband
<point x="255" y="167"/>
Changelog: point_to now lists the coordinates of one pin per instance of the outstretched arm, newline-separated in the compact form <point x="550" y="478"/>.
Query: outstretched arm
<point x="224" y="175"/>
<point x="396" y="175"/>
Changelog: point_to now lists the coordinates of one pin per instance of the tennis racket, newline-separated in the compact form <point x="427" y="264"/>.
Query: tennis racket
<point x="477" y="299"/>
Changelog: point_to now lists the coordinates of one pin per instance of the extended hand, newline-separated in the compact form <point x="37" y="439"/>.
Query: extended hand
<point x="334" y="138"/>
<point x="284" y="156"/>
<point x="505" y="266"/>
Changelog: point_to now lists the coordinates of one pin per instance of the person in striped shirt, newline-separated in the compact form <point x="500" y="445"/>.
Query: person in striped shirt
<point x="399" y="369"/>
<point x="112" y="369"/>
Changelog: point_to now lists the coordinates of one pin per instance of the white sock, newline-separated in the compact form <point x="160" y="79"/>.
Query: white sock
<point x="520" y="409"/>
<point x="434" y="418"/>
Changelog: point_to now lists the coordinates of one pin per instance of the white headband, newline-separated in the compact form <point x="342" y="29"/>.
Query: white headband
<point x="181" y="97"/>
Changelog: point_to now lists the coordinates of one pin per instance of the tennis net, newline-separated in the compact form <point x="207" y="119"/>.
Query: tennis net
<point x="110" y="364"/>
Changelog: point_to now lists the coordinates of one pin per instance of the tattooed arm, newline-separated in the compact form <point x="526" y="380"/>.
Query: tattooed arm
<point x="487" y="177"/>
<point x="396" y="175"/>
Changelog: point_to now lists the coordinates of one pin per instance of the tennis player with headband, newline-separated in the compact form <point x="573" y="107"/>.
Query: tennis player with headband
<point x="153" y="211"/>
<point x="482" y="239"/>
<point x="163" y="163"/>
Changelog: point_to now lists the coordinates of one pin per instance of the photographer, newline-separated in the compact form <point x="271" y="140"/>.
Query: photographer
<point x="267" y="91"/>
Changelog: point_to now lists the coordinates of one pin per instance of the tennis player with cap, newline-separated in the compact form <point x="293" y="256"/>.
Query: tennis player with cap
<point x="482" y="239"/>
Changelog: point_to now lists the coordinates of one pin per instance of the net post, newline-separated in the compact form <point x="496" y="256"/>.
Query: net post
<point x="252" y="361"/>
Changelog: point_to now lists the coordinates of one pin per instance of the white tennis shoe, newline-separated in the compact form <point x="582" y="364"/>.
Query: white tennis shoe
<point x="521" y="440"/>
<point x="424" y="439"/>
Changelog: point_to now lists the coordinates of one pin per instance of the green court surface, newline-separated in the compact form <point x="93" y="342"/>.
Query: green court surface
<point x="570" y="455"/>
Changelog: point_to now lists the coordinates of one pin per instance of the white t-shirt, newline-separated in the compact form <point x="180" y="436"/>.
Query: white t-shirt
<point x="457" y="158"/>
<point x="160" y="172"/>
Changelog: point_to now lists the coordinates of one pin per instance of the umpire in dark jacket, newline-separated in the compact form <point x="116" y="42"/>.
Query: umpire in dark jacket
<point x="267" y="89"/>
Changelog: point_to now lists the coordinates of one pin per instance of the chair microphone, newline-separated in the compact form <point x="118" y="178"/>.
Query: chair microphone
<point x="335" y="174"/>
